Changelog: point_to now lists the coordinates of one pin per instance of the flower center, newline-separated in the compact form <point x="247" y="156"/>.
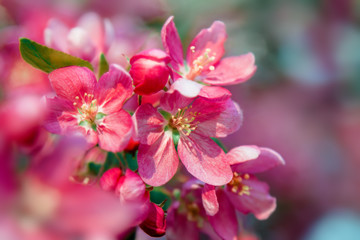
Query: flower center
<point x="184" y="121"/>
<point x="87" y="107"/>
<point x="199" y="64"/>
<point x="237" y="185"/>
<point x="193" y="212"/>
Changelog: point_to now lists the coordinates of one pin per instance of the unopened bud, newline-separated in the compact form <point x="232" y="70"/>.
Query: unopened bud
<point x="149" y="71"/>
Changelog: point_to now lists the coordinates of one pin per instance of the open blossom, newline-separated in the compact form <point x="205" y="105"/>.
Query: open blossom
<point x="91" y="108"/>
<point x="189" y="213"/>
<point x="191" y="122"/>
<point x="88" y="39"/>
<point x="149" y="71"/>
<point x="203" y="58"/>
<point x="244" y="192"/>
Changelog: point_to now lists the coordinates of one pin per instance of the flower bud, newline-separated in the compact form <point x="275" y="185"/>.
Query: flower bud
<point x="149" y="71"/>
<point x="155" y="223"/>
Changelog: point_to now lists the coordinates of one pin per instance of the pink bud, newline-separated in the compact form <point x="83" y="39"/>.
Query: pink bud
<point x="149" y="71"/>
<point x="155" y="223"/>
<point x="110" y="179"/>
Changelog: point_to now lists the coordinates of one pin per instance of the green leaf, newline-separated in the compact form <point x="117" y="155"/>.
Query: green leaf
<point x="165" y="114"/>
<point x="158" y="195"/>
<point x="220" y="144"/>
<point x="94" y="168"/>
<point x="100" y="115"/>
<point x="131" y="161"/>
<point x="176" y="137"/>
<point x="48" y="59"/>
<point x="104" y="65"/>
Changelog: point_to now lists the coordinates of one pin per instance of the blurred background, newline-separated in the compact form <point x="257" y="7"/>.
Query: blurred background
<point x="303" y="101"/>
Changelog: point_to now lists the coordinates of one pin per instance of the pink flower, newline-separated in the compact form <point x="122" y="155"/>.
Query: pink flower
<point x="87" y="40"/>
<point x="244" y="192"/>
<point x="155" y="223"/>
<point x="189" y="213"/>
<point x="131" y="190"/>
<point x="191" y="122"/>
<point x="149" y="71"/>
<point x="129" y="187"/>
<point x="91" y="108"/>
<point x="203" y="60"/>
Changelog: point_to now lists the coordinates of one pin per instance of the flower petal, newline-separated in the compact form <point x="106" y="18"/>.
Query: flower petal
<point x="61" y="119"/>
<point x="259" y="202"/>
<point x="211" y="38"/>
<point x="204" y="159"/>
<point x="93" y="24"/>
<point x="216" y="119"/>
<point x="232" y="70"/>
<point x="148" y="124"/>
<point x="130" y="188"/>
<point x="187" y="88"/>
<point x="60" y="116"/>
<point x="71" y="82"/>
<point x="110" y="179"/>
<point x="215" y="93"/>
<point x="172" y="43"/>
<point x="155" y="223"/>
<point x="54" y="35"/>
<point x="115" y="131"/>
<point x="158" y="162"/>
<point x="266" y="160"/>
<point x="242" y="154"/>
<point x="174" y="99"/>
<point x="80" y="44"/>
<point x="209" y="200"/>
<point x="113" y="88"/>
<point x="225" y="223"/>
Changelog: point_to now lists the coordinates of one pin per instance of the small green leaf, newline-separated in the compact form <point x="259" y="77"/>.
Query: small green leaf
<point x="165" y="114"/>
<point x="158" y="195"/>
<point x="84" y="123"/>
<point x="220" y="144"/>
<point x="100" y="115"/>
<point x="104" y="65"/>
<point x="176" y="137"/>
<point x="48" y="59"/>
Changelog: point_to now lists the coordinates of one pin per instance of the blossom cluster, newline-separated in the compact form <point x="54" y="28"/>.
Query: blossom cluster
<point x="148" y="114"/>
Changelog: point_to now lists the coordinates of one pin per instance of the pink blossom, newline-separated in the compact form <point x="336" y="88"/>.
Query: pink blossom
<point x="131" y="191"/>
<point x="192" y="121"/>
<point x="155" y="223"/>
<point x="189" y="213"/>
<point x="91" y="108"/>
<point x="244" y="191"/>
<point x="149" y="71"/>
<point x="203" y="58"/>
<point x="87" y="40"/>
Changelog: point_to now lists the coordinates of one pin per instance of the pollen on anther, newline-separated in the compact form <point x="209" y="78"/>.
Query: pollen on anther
<point x="192" y="48"/>
<point x="211" y="68"/>
<point x="74" y="103"/>
<point x="246" y="176"/>
<point x="77" y="97"/>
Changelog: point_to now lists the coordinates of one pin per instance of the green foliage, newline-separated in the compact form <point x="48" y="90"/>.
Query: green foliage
<point x="48" y="59"/>
<point x="104" y="65"/>
<point x="220" y="144"/>
<point x="131" y="160"/>
<point x="94" y="168"/>
<point x="158" y="195"/>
